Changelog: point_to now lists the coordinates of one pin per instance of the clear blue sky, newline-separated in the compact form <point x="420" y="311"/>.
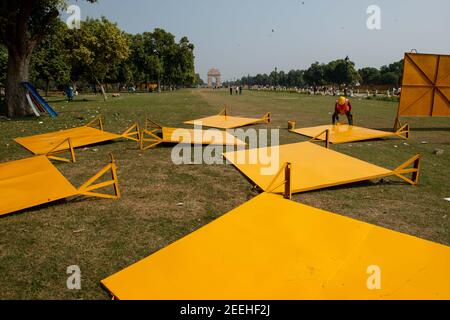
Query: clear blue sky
<point x="243" y="37"/>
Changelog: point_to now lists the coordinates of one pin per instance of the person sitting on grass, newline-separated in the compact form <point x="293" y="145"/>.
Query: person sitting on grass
<point x="343" y="107"/>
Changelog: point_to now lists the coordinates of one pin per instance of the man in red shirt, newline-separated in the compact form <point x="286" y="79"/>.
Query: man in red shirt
<point x="343" y="107"/>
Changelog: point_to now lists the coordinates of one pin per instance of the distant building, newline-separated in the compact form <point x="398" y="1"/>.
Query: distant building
<point x="214" y="74"/>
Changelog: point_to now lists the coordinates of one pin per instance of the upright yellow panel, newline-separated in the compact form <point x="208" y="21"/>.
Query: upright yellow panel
<point x="30" y="182"/>
<point x="196" y="136"/>
<point x="425" y="85"/>
<point x="344" y="133"/>
<point x="82" y="136"/>
<point x="275" y="249"/>
<point x="314" y="167"/>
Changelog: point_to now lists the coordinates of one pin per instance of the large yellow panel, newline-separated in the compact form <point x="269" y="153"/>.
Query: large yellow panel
<point x="224" y="122"/>
<point x="344" y="133"/>
<point x="275" y="249"/>
<point x="426" y="80"/>
<point x="197" y="136"/>
<point x="314" y="167"/>
<point x="30" y="182"/>
<point x="82" y="136"/>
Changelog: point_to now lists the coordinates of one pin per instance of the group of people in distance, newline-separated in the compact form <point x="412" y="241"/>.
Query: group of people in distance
<point x="236" y="89"/>
<point x="343" y="106"/>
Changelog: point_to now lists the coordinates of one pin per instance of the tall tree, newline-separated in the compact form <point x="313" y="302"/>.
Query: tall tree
<point x="341" y="72"/>
<point x="23" y="24"/>
<point x="49" y="61"/>
<point x="315" y="74"/>
<point x="98" y="48"/>
<point x="369" y="76"/>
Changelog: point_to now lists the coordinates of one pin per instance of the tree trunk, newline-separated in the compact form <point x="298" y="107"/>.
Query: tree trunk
<point x="159" y="83"/>
<point x="15" y="99"/>
<point x="47" y="87"/>
<point x="102" y="88"/>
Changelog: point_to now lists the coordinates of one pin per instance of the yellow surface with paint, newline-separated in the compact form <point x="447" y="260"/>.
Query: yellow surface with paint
<point x="271" y="249"/>
<point x="30" y="182"/>
<point x="205" y="137"/>
<point x="82" y="136"/>
<point x="314" y="167"/>
<point x="344" y="133"/>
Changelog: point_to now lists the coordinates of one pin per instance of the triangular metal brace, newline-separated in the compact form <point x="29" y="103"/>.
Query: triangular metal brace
<point x="88" y="188"/>
<point x="52" y="154"/>
<point x="133" y="133"/>
<point x="405" y="168"/>
<point x="404" y="131"/>
<point x="326" y="140"/>
<point x="97" y="122"/>
<point x="286" y="171"/>
<point x="224" y="112"/>
<point x="267" y="118"/>
<point x="149" y="134"/>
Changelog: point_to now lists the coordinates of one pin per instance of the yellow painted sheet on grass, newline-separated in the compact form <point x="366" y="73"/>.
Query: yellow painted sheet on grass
<point x="344" y="133"/>
<point x="313" y="167"/>
<point x="275" y="249"/>
<point x="224" y="122"/>
<point x="202" y="137"/>
<point x="30" y="182"/>
<point x="82" y="136"/>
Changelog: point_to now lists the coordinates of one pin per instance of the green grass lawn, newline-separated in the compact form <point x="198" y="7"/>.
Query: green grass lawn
<point x="104" y="236"/>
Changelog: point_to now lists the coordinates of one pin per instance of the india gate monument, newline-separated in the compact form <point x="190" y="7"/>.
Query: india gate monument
<point x="214" y="74"/>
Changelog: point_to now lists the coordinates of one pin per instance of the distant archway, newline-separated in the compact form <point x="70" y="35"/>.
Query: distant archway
<point x="214" y="74"/>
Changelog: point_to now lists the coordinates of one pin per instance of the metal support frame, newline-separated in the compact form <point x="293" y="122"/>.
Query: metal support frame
<point x="88" y="188"/>
<point x="397" y="124"/>
<point x="149" y="134"/>
<point x="52" y="154"/>
<point x="326" y="140"/>
<point x="267" y="118"/>
<point x="97" y="122"/>
<point x="404" y="131"/>
<point x="405" y="168"/>
<point x="286" y="169"/>
<point x="133" y="133"/>
<point x="224" y="112"/>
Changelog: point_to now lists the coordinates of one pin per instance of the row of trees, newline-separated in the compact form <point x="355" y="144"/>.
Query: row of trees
<point x="338" y="72"/>
<point x="100" y="53"/>
<point x="36" y="45"/>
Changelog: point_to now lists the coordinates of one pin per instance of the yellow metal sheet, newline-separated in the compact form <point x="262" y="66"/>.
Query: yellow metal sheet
<point x="344" y="133"/>
<point x="224" y="122"/>
<point x="275" y="249"/>
<point x="314" y="167"/>
<point x="425" y="85"/>
<point x="197" y="136"/>
<point x="30" y="182"/>
<point x="82" y="136"/>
